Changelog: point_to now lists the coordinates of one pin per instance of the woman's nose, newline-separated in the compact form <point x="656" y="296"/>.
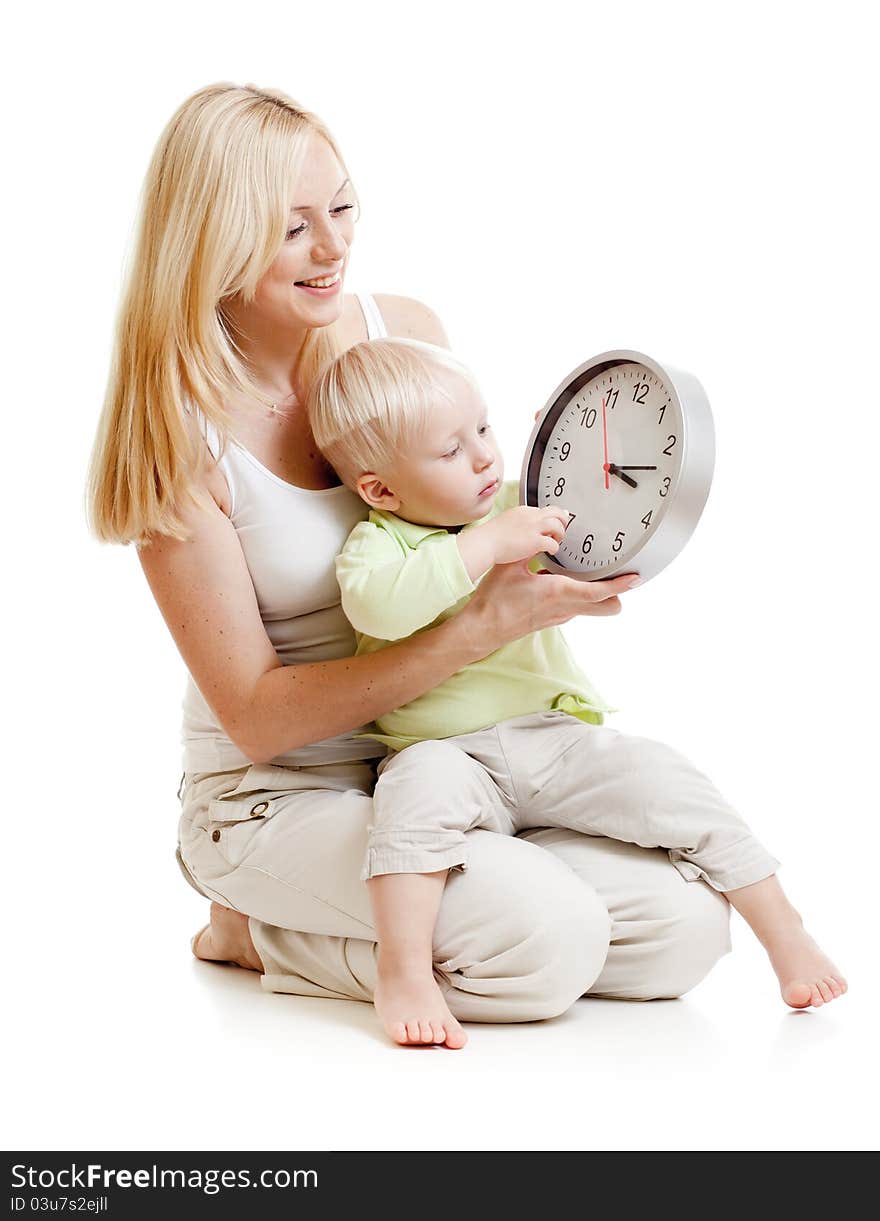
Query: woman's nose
<point x="329" y="243"/>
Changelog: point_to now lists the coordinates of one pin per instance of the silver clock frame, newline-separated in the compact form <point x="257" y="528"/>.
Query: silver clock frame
<point x="687" y="496"/>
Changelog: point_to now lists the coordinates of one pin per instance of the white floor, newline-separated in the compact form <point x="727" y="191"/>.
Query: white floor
<point x="176" y="1054"/>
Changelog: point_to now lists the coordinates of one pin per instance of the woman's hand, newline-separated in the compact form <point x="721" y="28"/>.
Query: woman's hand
<point x="510" y="602"/>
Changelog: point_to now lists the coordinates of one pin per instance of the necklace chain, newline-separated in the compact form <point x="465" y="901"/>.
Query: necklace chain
<point x="275" y="408"/>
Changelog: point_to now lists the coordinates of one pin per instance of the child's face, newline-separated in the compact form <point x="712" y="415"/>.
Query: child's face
<point x="448" y="474"/>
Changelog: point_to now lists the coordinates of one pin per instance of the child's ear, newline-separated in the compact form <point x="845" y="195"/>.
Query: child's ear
<point x="376" y="494"/>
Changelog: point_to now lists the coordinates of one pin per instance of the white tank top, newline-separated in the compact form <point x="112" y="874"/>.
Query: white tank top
<point x="290" y="537"/>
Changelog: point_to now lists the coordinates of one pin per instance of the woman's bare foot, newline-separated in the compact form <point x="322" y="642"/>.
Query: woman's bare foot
<point x="412" y="1009"/>
<point x="806" y="976"/>
<point x="227" y="939"/>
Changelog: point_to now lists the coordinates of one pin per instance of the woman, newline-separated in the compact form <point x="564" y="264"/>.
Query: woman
<point x="204" y="460"/>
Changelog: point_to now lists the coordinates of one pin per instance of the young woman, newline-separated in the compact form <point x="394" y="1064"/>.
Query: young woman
<point x="204" y="460"/>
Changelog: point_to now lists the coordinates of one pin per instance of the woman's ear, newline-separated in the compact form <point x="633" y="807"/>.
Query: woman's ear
<point x="377" y="495"/>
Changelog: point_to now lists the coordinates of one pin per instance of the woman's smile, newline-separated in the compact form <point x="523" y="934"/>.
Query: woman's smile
<point x="321" y="288"/>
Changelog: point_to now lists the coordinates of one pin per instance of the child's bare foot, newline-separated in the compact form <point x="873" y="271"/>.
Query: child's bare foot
<point x="806" y="976"/>
<point x="412" y="1007"/>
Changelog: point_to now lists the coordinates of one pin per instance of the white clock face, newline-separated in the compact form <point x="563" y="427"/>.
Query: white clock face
<point x="612" y="459"/>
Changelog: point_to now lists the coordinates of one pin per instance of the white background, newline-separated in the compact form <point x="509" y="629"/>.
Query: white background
<point x="695" y="181"/>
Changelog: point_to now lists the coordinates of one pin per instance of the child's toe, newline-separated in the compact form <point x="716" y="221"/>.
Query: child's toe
<point x="798" y="996"/>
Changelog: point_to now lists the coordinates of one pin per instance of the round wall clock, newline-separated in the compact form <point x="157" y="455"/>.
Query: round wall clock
<point x="626" y="445"/>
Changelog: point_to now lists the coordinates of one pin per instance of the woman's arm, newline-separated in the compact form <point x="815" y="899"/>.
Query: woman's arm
<point x="411" y="319"/>
<point x="206" y="596"/>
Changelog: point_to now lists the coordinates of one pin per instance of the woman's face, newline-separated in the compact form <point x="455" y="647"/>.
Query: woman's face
<point x="319" y="233"/>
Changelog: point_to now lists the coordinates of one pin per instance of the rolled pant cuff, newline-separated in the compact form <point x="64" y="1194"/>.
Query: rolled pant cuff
<point x="423" y="860"/>
<point x="756" y="868"/>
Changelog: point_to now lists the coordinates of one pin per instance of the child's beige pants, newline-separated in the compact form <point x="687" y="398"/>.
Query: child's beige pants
<point x="537" y="920"/>
<point x="549" y="769"/>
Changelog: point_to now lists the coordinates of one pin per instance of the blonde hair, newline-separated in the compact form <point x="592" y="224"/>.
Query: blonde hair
<point x="214" y="213"/>
<point x="374" y="398"/>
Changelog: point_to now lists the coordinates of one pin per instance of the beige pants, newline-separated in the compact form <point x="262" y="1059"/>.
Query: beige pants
<point x="536" y="920"/>
<point x="548" y="769"/>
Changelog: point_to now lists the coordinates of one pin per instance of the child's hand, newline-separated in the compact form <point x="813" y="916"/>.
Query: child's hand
<point x="521" y="532"/>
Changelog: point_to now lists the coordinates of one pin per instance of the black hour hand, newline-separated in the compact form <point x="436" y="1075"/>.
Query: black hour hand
<point x="621" y="474"/>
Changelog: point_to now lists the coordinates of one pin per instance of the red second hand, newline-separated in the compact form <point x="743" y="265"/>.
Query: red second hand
<point x="605" y="441"/>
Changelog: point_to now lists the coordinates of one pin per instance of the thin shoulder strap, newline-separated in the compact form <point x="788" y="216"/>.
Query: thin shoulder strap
<point x="206" y="428"/>
<point x="212" y="437"/>
<point x="375" y="323"/>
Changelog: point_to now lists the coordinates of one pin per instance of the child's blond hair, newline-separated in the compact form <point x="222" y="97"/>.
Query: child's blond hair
<point x="375" y="398"/>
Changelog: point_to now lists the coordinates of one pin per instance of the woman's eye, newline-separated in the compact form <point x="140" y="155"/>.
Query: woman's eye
<point x="302" y="228"/>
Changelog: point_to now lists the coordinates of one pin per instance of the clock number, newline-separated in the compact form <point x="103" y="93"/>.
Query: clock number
<point x="618" y="542"/>
<point x="560" y="487"/>
<point x="646" y="520"/>
<point x="668" y="449"/>
<point x="587" y="545"/>
<point x="588" y="419"/>
<point x="565" y="451"/>
<point x="640" y="392"/>
<point x="666" y="483"/>
<point x="611" y="399"/>
<point x="662" y="413"/>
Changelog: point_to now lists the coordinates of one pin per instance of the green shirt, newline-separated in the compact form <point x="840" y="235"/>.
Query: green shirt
<point x="398" y="579"/>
